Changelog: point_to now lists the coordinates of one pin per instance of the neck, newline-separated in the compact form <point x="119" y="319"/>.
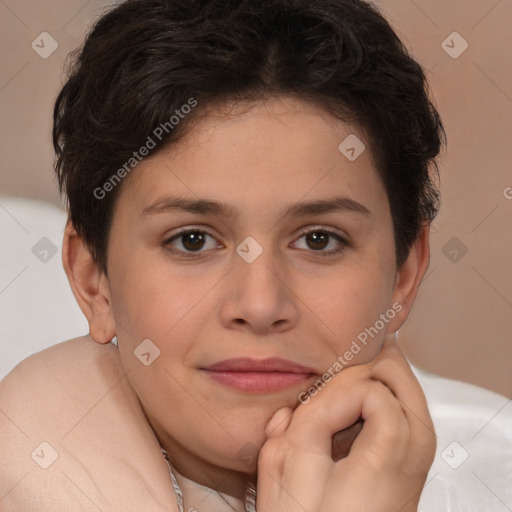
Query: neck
<point x="223" y="480"/>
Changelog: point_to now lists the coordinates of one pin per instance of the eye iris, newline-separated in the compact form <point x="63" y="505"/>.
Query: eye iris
<point x="193" y="240"/>
<point x="317" y="240"/>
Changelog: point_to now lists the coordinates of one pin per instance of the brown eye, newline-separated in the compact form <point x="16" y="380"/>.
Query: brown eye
<point x="317" y="240"/>
<point x="322" y="241"/>
<point x="191" y="241"/>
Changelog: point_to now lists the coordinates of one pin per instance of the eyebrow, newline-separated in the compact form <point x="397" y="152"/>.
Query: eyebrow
<point x="204" y="206"/>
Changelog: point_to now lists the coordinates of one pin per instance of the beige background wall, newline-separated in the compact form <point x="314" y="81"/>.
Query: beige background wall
<point x="462" y="324"/>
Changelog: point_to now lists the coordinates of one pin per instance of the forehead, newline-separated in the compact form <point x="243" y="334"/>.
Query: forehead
<point x="281" y="149"/>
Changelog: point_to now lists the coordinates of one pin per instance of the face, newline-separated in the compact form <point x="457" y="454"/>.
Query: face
<point x="293" y="257"/>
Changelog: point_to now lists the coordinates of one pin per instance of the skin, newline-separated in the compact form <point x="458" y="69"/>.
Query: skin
<point x="291" y="302"/>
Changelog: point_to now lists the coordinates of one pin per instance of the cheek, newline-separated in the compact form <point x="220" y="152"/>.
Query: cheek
<point x="151" y="298"/>
<point x="351" y="304"/>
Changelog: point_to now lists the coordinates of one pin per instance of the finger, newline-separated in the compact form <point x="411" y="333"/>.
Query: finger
<point x="384" y="438"/>
<point x="392" y="369"/>
<point x="279" y="422"/>
<point x="283" y="470"/>
<point x="335" y="407"/>
<point x="349" y="396"/>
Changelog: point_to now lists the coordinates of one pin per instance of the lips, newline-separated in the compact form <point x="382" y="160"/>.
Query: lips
<point x="272" y="364"/>
<point x="258" y="376"/>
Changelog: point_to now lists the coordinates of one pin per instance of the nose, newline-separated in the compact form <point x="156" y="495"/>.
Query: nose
<point x="258" y="296"/>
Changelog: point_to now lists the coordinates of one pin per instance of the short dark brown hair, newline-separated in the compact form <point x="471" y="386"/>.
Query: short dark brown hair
<point x="145" y="60"/>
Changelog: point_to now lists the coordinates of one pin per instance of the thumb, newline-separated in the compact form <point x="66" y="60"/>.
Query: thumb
<point x="279" y="422"/>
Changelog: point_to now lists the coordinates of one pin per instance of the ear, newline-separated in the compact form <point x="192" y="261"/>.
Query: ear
<point x="408" y="278"/>
<point x="89" y="285"/>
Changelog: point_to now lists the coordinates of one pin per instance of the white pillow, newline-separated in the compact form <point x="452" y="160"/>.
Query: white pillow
<point x="37" y="307"/>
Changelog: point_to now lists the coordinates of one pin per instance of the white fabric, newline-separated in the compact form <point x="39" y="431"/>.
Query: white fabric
<point x="477" y="423"/>
<point x="37" y="307"/>
<point x="37" y="310"/>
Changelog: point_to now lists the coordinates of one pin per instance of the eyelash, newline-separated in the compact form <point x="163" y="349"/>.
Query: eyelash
<point x="319" y="254"/>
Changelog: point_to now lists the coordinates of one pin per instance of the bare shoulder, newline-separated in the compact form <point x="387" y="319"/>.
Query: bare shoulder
<point x="60" y="373"/>
<point x="70" y="360"/>
<point x="46" y="390"/>
<point x="66" y="416"/>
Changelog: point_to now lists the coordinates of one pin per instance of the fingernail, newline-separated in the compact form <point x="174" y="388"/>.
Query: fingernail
<point x="279" y="419"/>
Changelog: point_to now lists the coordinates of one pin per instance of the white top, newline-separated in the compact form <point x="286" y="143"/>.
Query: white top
<point x="472" y="470"/>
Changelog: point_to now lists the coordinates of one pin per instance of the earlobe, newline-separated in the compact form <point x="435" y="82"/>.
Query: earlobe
<point x="409" y="277"/>
<point x="89" y="285"/>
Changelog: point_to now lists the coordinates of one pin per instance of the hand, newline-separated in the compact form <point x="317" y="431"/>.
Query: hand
<point x="387" y="465"/>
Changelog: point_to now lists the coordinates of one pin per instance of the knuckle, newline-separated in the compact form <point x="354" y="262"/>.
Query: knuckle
<point x="354" y="373"/>
<point x="385" y="366"/>
<point x="395" y="428"/>
<point x="272" y="454"/>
